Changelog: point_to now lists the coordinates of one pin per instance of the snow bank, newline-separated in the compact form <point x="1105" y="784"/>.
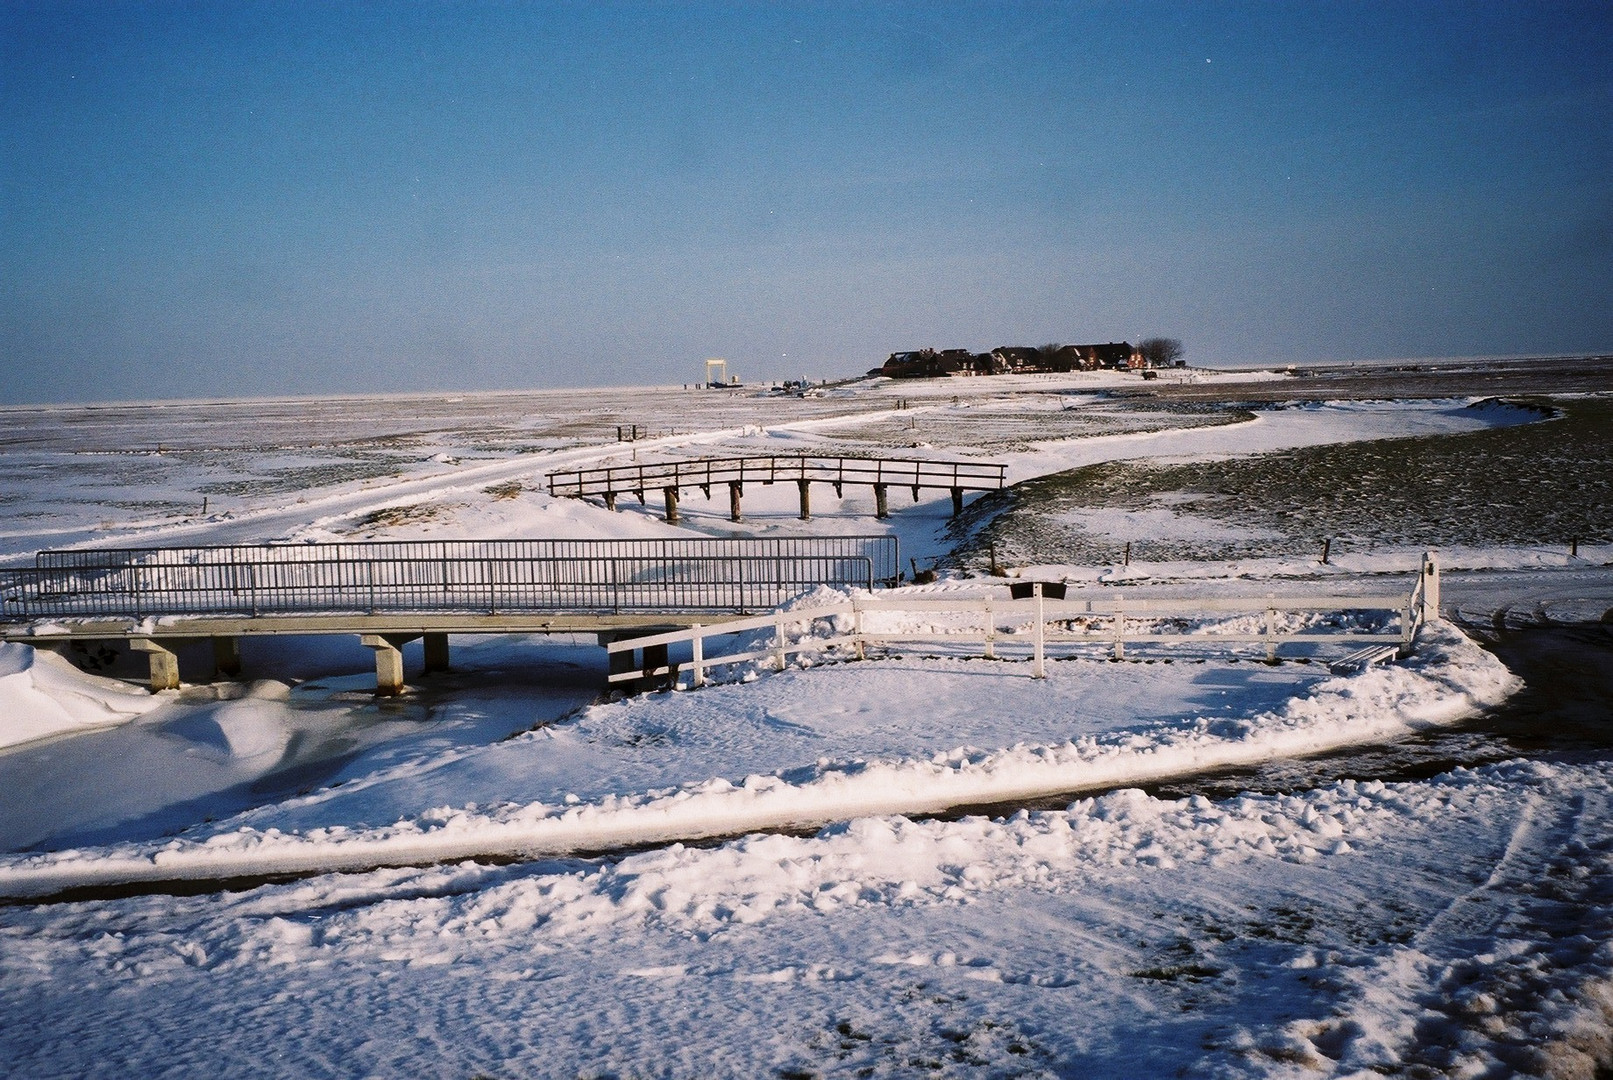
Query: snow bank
<point x="1486" y="974"/>
<point x="1448" y="680"/>
<point x="42" y="694"/>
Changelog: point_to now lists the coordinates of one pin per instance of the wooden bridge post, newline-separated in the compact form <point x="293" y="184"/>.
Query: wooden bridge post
<point x="733" y="501"/>
<point x="436" y="646"/>
<point x="671" y="496"/>
<point x="881" y="502"/>
<point x="1430" y="588"/>
<point x="806" y="499"/>
<point x="164" y="664"/>
<point x="610" y="500"/>
<point x="957" y="501"/>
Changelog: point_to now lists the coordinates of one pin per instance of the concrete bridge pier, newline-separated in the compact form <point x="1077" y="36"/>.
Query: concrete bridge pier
<point x="227" y="656"/>
<point x="164" y="664"/>
<point x="882" y="507"/>
<point x="436" y="646"/>
<point x="734" y="491"/>
<point x="388" y="661"/>
<point x="671" y="496"/>
<point x="806" y="499"/>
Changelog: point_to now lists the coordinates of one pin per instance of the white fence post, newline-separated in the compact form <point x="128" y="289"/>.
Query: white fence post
<point x="1038" y="669"/>
<point x="1271" y="631"/>
<point x="857" y="625"/>
<point x="1120" y="626"/>
<point x="1430" y="588"/>
<point x="697" y="645"/>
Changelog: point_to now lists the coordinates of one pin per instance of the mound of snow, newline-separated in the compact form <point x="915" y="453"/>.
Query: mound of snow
<point x="1449" y="679"/>
<point x="42" y="694"/>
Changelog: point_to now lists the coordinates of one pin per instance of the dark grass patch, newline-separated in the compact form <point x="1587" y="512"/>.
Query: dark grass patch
<point x="1537" y="484"/>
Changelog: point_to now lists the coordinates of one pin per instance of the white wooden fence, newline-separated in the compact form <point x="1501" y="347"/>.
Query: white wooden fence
<point x="1108" y="618"/>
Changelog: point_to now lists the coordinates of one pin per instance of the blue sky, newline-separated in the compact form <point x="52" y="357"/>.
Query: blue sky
<point x="205" y="199"/>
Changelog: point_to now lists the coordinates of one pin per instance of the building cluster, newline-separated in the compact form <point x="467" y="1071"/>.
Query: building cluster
<point x="1010" y="360"/>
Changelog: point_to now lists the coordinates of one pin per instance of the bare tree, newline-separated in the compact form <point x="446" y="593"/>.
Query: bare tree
<point x="1160" y="351"/>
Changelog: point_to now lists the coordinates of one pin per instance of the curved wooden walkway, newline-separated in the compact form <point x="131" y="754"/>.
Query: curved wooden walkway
<point x="881" y="474"/>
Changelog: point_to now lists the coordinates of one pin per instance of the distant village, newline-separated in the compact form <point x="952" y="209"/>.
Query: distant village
<point x="1026" y="359"/>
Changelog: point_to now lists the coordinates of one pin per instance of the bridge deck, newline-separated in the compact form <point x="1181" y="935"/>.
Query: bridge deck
<point x="505" y="577"/>
<point x="393" y="592"/>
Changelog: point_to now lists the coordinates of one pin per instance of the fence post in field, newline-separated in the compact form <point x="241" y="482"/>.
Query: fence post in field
<point x="697" y="659"/>
<point x="857" y="625"/>
<point x="1038" y="667"/>
<point x="778" y="638"/>
<point x="1120" y="626"/>
<point x="1271" y="632"/>
<point x="991" y="630"/>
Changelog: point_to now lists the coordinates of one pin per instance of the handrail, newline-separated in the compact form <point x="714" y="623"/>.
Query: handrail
<point x="724" y="575"/>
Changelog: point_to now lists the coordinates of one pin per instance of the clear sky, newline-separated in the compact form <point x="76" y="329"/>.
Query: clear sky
<point x="233" y="198"/>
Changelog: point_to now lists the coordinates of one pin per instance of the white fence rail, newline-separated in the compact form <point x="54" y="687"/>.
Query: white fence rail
<point x="1110" y="619"/>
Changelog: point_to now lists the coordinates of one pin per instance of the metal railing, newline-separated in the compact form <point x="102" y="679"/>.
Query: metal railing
<point x="462" y="576"/>
<point x="838" y="471"/>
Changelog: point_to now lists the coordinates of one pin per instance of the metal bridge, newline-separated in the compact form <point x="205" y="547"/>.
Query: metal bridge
<point x="391" y="592"/>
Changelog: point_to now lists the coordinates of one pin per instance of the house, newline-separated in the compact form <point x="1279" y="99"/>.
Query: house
<point x="930" y="364"/>
<point x="1009" y="359"/>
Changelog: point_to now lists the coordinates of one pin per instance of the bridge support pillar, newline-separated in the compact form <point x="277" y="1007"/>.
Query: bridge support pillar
<point x="882" y="507"/>
<point x="227" y="656"/>
<point x="657" y="656"/>
<point x="733" y="502"/>
<point x="388" y="662"/>
<point x="436" y="652"/>
<point x="620" y="662"/>
<point x="806" y="499"/>
<point x="957" y="501"/>
<point x="671" y="495"/>
<point x="610" y="500"/>
<point x="164" y="664"/>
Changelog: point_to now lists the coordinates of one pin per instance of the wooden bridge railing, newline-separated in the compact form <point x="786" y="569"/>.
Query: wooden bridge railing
<point x="1033" y="621"/>
<point x="881" y="474"/>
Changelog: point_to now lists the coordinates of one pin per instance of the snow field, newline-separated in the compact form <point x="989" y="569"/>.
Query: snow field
<point x="1354" y="927"/>
<point x="1454" y="926"/>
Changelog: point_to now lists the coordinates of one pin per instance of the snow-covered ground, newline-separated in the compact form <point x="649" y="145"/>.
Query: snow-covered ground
<point x="1457" y="925"/>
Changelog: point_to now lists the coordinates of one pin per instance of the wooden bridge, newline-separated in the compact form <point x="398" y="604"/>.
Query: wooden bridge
<point x="881" y="474"/>
<point x="391" y="593"/>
